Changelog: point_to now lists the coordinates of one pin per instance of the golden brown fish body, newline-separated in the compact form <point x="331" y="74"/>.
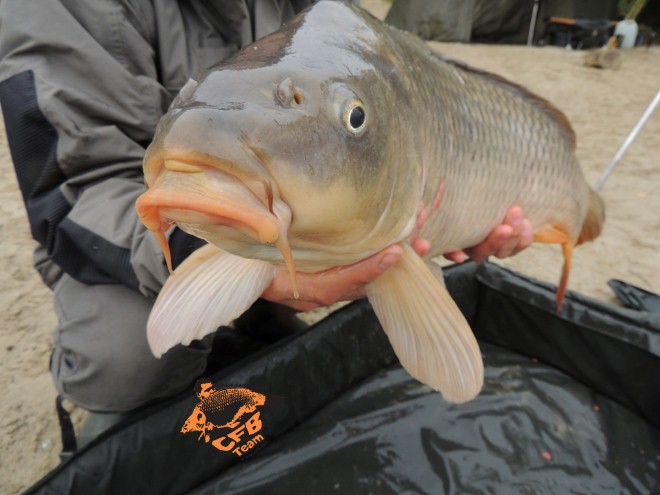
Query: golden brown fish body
<point x="491" y="145"/>
<point x="319" y="145"/>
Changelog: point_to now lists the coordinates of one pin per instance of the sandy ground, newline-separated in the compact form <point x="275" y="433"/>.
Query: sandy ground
<point x="602" y="105"/>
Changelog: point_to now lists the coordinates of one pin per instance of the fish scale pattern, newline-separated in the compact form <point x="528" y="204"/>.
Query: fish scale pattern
<point x="494" y="144"/>
<point x="223" y="399"/>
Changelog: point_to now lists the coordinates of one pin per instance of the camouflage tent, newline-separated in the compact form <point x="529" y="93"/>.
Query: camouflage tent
<point x="486" y="21"/>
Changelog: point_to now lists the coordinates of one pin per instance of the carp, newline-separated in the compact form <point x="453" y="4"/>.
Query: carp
<point x="222" y="409"/>
<point x="327" y="141"/>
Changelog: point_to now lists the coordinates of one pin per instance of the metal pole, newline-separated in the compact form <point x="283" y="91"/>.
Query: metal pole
<point x="532" y="25"/>
<point x="631" y="137"/>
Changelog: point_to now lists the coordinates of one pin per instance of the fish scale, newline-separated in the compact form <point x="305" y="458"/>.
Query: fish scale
<point x="512" y="137"/>
<point x="221" y="400"/>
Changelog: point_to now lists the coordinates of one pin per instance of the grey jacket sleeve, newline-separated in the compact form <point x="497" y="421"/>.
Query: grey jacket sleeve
<point x="81" y="98"/>
<point x="82" y="87"/>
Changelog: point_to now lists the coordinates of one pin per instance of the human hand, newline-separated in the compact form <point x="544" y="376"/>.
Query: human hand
<point x="342" y="283"/>
<point x="346" y="283"/>
<point x="514" y="235"/>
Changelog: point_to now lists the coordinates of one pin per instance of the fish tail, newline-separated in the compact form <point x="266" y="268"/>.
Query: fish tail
<point x="593" y="222"/>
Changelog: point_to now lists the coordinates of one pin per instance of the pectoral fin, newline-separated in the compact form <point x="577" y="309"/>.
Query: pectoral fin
<point x="427" y="330"/>
<point x="209" y="289"/>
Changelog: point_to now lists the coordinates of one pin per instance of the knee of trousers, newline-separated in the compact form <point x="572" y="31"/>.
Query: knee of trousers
<point x="101" y="359"/>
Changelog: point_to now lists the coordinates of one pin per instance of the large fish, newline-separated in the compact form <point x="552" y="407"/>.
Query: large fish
<point x="332" y="138"/>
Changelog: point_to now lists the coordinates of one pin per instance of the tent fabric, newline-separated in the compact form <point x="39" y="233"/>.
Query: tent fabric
<point x="485" y="21"/>
<point x="571" y="402"/>
<point x="440" y="20"/>
<point x="650" y="14"/>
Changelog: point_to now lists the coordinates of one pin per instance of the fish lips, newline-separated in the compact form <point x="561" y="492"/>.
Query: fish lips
<point x="200" y="198"/>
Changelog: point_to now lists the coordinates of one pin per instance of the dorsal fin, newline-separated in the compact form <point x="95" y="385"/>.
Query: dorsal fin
<point x="551" y="110"/>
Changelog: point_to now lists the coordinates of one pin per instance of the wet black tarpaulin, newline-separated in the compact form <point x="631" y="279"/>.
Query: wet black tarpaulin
<point x="571" y="404"/>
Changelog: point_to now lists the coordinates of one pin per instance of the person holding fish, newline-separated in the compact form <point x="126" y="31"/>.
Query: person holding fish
<point x="82" y="88"/>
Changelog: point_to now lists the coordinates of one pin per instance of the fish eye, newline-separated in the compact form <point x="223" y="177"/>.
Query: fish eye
<point x="355" y="117"/>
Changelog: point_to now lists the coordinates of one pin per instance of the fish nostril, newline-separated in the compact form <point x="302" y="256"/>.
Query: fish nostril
<point x="288" y="95"/>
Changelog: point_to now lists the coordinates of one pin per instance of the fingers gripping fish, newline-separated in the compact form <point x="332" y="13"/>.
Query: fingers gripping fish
<point x="319" y="145"/>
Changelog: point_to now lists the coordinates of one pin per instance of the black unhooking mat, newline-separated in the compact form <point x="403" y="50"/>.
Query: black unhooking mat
<point x="571" y="404"/>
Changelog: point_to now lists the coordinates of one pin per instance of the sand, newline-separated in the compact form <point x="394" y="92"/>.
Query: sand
<point x="603" y="107"/>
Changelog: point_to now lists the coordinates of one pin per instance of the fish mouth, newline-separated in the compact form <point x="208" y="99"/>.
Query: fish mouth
<point x="216" y="200"/>
<point x="194" y="194"/>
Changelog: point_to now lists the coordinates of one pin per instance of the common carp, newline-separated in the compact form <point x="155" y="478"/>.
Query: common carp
<point x="330" y="139"/>
<point x="222" y="409"/>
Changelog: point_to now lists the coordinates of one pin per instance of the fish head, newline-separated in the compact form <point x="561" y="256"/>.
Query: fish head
<point x="298" y="141"/>
<point x="195" y="422"/>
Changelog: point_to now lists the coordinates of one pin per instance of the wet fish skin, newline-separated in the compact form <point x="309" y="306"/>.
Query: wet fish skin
<point x="259" y="156"/>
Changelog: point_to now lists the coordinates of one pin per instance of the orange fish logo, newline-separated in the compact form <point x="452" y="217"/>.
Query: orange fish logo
<point x="225" y="409"/>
